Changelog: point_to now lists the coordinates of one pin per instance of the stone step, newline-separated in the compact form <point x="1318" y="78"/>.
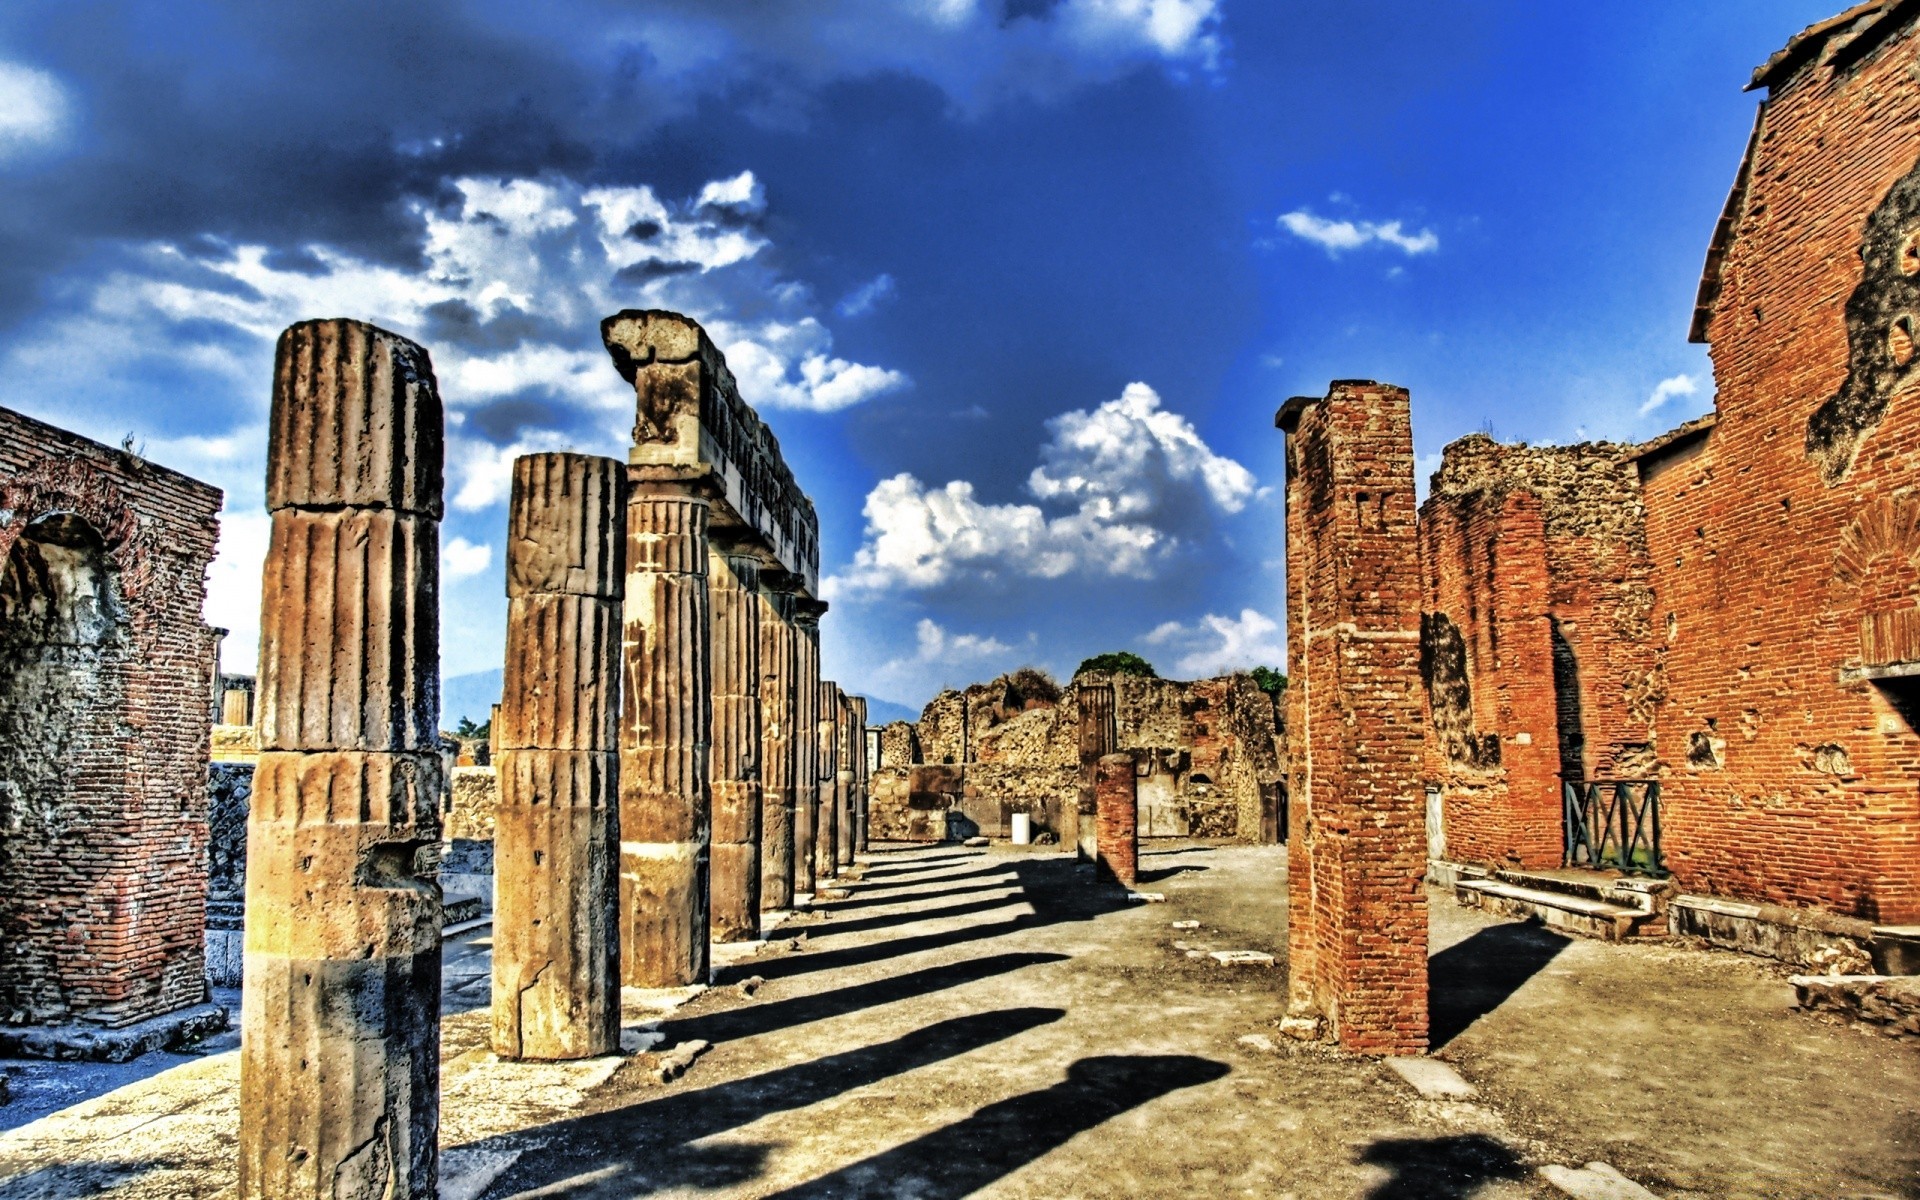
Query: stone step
<point x="1558" y="910"/>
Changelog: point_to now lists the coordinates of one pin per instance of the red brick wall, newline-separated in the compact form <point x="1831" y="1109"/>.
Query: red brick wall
<point x="103" y="868"/>
<point x="1789" y="778"/>
<point x="1357" y="932"/>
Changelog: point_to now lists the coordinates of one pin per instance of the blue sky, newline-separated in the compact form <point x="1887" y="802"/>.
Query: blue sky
<point x="1018" y="283"/>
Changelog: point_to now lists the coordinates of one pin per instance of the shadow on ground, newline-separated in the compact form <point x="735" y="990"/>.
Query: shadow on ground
<point x="1441" y="1168"/>
<point x="1469" y="980"/>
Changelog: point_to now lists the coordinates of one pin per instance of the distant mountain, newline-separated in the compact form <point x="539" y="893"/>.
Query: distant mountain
<point x="470" y="696"/>
<point x="883" y="712"/>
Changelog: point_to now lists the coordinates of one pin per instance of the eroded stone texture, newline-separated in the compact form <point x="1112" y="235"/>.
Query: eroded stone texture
<point x="845" y="786"/>
<point x="733" y="581"/>
<point x="556" y="838"/>
<point x="826" y="841"/>
<point x="340" y="1051"/>
<point x="806" y="744"/>
<point x="777" y="674"/>
<point x="857" y="740"/>
<point x="1357" y="920"/>
<point x="665" y="739"/>
<point x="1117" y="849"/>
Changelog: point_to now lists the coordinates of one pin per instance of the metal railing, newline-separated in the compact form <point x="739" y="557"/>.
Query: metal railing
<point x="1613" y="823"/>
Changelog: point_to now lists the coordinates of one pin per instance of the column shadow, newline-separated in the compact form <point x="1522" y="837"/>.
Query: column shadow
<point x="648" y="1147"/>
<point x="1469" y="980"/>
<point x="889" y="920"/>
<point x="835" y="906"/>
<point x="1441" y="1168"/>
<point x="1004" y="1136"/>
<point x="866" y="886"/>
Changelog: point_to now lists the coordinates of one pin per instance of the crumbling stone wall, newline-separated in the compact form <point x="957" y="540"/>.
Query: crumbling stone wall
<point x="984" y="753"/>
<point x="105" y="673"/>
<point x="466" y="864"/>
<point x="1784" y="543"/>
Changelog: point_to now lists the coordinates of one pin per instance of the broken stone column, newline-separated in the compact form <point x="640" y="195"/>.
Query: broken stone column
<point x="340" y="1036"/>
<point x="1117" y="852"/>
<point x="733" y="583"/>
<point x="1095" y="704"/>
<point x="827" y="832"/>
<point x="1357" y="855"/>
<point x="806" y="744"/>
<point x="556" y="932"/>
<point x="665" y="736"/>
<point x="776" y="602"/>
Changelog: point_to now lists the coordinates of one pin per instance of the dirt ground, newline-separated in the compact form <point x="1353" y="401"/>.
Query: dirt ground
<point x="990" y="1022"/>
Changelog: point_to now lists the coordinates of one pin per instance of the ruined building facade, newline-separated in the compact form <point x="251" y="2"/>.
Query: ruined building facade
<point x="1208" y="757"/>
<point x="105" y="687"/>
<point x="1732" y="609"/>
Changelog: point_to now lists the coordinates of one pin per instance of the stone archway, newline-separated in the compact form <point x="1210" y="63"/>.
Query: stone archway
<point x="64" y="647"/>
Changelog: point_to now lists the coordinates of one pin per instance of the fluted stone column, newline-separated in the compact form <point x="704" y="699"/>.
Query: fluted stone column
<point x="665" y="736"/>
<point x="826" y="843"/>
<point x="733" y="580"/>
<point x="340" y="1038"/>
<point x="860" y="771"/>
<point x="806" y="743"/>
<point x="777" y="674"/>
<point x="556" y="843"/>
<point x="843" y="784"/>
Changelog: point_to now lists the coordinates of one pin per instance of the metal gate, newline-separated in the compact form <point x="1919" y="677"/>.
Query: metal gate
<point x="1613" y="823"/>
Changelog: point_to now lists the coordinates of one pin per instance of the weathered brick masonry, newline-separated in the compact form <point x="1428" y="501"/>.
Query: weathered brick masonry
<point x="1357" y="923"/>
<point x="105" y="677"/>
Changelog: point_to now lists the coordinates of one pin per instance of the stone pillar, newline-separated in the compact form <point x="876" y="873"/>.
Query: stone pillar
<point x="733" y="585"/>
<point x="843" y="783"/>
<point x="556" y="845"/>
<point x="1117" y="854"/>
<point x="665" y="737"/>
<point x="1357" y="915"/>
<point x="861" y="768"/>
<point x="1094" y="702"/>
<point x="777" y="751"/>
<point x="806" y="744"/>
<point x="826" y="862"/>
<point x="340" y="1037"/>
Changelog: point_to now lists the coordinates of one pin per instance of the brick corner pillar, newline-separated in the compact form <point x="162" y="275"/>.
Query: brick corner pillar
<point x="1094" y="702"/>
<point x="806" y="744"/>
<point x="1117" y="854"/>
<point x="775" y="599"/>
<point x="826" y="833"/>
<point x="733" y="586"/>
<point x="1357" y="925"/>
<point x="556" y="934"/>
<point x="340" y="1025"/>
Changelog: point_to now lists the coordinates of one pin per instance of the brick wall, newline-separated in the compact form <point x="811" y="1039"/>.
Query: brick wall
<point x="105" y="674"/>
<point x="1357" y="919"/>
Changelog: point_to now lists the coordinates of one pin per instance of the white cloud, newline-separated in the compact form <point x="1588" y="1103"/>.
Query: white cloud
<point x="1176" y="29"/>
<point x="861" y="300"/>
<point x="461" y="559"/>
<point x="1215" y="645"/>
<point x="1667" y="389"/>
<point x="34" y="110"/>
<point x="1139" y="482"/>
<point x="233" y="587"/>
<point x="1336" y="236"/>
<point x="936" y="645"/>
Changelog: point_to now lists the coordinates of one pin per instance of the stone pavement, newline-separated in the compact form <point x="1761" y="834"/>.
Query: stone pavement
<point x="963" y="1022"/>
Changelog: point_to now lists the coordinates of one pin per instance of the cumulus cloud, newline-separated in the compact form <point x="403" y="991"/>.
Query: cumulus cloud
<point x="1215" y="645"/>
<point x="936" y="645"/>
<point x="1667" y="389"/>
<point x="1134" y="481"/>
<point x="1335" y="236"/>
<point x="461" y="559"/>
<point x="34" y="110"/>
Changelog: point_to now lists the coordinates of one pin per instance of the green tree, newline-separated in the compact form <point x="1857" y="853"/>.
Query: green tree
<point x="1269" y="680"/>
<point x="1120" y="662"/>
<point x="467" y="729"/>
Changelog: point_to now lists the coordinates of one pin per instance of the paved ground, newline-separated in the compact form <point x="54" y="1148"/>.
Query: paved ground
<point x="967" y="1022"/>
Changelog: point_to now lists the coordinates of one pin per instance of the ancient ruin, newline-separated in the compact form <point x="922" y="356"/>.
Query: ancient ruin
<point x="340" y="1058"/>
<point x="1116" y="812"/>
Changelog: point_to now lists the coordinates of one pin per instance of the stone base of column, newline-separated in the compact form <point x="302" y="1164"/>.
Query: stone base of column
<point x="1118" y="846"/>
<point x="556" y="950"/>
<point x="736" y="903"/>
<point x="663" y="914"/>
<point x="776" y="855"/>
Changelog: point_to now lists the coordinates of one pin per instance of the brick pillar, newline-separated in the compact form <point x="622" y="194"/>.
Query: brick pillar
<point x="777" y="750"/>
<point x="340" y="1037"/>
<point x="1117" y="854"/>
<point x="1095" y="704"/>
<point x="806" y="744"/>
<point x="665" y="735"/>
<point x="826" y="840"/>
<point x="733" y="582"/>
<point x="556" y="842"/>
<point x="1357" y="919"/>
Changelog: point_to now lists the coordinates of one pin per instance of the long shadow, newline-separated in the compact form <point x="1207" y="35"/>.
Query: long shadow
<point x="987" y="869"/>
<point x="1004" y="1136"/>
<point x="737" y="1023"/>
<point x="1467" y="981"/>
<point x="912" y="897"/>
<point x="74" y="1179"/>
<point x="1442" y="1168"/>
<point x="1159" y="873"/>
<point x="1177" y="850"/>
<point x="910" y="866"/>
<point x="887" y="921"/>
<point x="646" y="1147"/>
